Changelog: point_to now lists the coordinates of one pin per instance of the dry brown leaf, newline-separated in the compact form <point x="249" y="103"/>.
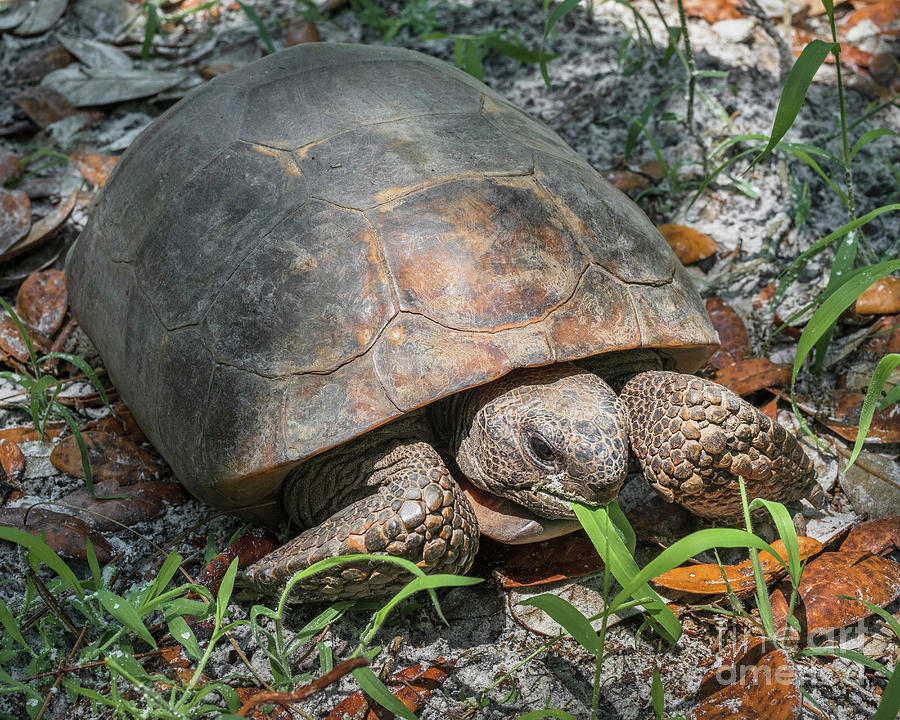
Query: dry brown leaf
<point x="15" y="217"/>
<point x="10" y="167"/>
<point x="770" y="409"/>
<point x="880" y="298"/>
<point x="28" y="433"/>
<point x="885" y="427"/>
<point x="42" y="229"/>
<point x="412" y="686"/>
<point x="113" y="458"/>
<point x="44" y="105"/>
<point x="123" y="423"/>
<point x="568" y="556"/>
<point x="626" y="180"/>
<point x="42" y="301"/>
<point x="754" y="374"/>
<point x="64" y="533"/>
<point x="689" y="245"/>
<point x="248" y="548"/>
<point x="713" y="10"/>
<point x="884" y="336"/>
<point x="707" y="578"/>
<point x="37" y="63"/>
<point x="11" y="342"/>
<point x="735" y="344"/>
<point x="819" y="609"/>
<point x="277" y="713"/>
<point x="877" y="537"/>
<point x="880" y="14"/>
<point x="95" y="168"/>
<point x="756" y="680"/>
<point x="12" y="460"/>
<point x="144" y="501"/>
<point x="301" y="31"/>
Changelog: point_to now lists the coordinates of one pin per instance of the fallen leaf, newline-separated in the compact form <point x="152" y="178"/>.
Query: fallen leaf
<point x="713" y="10"/>
<point x="819" y="609"/>
<point x="102" y="86"/>
<point x="96" y="54"/>
<point x="42" y="301"/>
<point x="747" y="376"/>
<point x="277" y="713"/>
<point x="625" y="180"/>
<point x="770" y="409"/>
<point x="43" y="228"/>
<point x="878" y="537"/>
<point x="122" y="423"/>
<point x="885" y="427"/>
<point x="735" y="344"/>
<point x="880" y="14"/>
<point x="689" y="245"/>
<point x="95" y="168"/>
<point x="755" y="680"/>
<point x="12" y="344"/>
<point x="10" y="169"/>
<point x="881" y="298"/>
<point x="64" y="533"/>
<point x="707" y="578"/>
<point x="37" y="63"/>
<point x="301" y="31"/>
<point x="112" y="459"/>
<point x="883" y="69"/>
<point x="12" y="460"/>
<point x="653" y="169"/>
<point x="42" y="17"/>
<point x="208" y="72"/>
<point x="44" y="105"/>
<point x="15" y="217"/>
<point x="253" y="545"/>
<point x="144" y="501"/>
<point x="176" y="658"/>
<point x="412" y="686"/>
<point x="884" y="336"/>
<point x="28" y="433"/>
<point x="562" y="558"/>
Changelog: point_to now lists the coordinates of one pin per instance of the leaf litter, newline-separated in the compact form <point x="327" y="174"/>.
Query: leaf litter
<point x="484" y="632"/>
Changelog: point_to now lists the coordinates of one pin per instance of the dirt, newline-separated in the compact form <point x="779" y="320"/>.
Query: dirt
<point x="597" y="92"/>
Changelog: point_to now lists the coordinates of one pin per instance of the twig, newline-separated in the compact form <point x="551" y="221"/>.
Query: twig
<point x="60" y="673"/>
<point x="315" y="686"/>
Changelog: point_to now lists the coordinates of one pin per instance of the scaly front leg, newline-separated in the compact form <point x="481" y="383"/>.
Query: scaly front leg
<point x="694" y="438"/>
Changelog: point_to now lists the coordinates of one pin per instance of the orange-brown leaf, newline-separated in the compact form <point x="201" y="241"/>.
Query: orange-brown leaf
<point x="62" y="532"/>
<point x="877" y="537"/>
<point x="732" y="333"/>
<point x="143" y="501"/>
<point x="95" y="168"/>
<point x="820" y="609"/>
<point x="248" y="548"/>
<point x="11" y="341"/>
<point x="15" y="217"/>
<point x="880" y="14"/>
<point x="12" y="460"/>
<point x="10" y="167"/>
<point x="568" y="556"/>
<point x="626" y="180"/>
<point x="412" y="686"/>
<point x="885" y="427"/>
<point x="113" y="458"/>
<point x="884" y="336"/>
<point x="42" y="300"/>
<point x="44" y="105"/>
<point x="707" y="578"/>
<point x="123" y="423"/>
<point x="747" y="376"/>
<point x="713" y="10"/>
<point x="757" y="677"/>
<point x="43" y="228"/>
<point x="880" y="298"/>
<point x="37" y="63"/>
<point x="689" y="245"/>
<point x="301" y="31"/>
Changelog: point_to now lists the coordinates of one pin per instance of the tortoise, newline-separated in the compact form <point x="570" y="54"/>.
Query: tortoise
<point x="354" y="286"/>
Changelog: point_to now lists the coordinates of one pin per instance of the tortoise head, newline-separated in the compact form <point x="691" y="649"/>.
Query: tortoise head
<point x="543" y="437"/>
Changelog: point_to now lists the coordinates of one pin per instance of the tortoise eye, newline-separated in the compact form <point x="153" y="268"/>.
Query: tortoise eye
<point x="541" y="449"/>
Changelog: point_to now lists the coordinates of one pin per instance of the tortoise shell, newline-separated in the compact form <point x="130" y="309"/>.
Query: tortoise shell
<point x="335" y="235"/>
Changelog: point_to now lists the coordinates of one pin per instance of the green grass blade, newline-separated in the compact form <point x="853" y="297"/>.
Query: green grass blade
<point x="794" y="92"/>
<point x="868" y="137"/>
<point x="150" y="29"/>
<point x="472" y="59"/>
<point x="572" y="619"/>
<point x="123" y="611"/>
<point x="260" y="26"/>
<point x="376" y="690"/>
<point x="84" y="367"/>
<point x="11" y="626"/>
<point x="39" y="550"/>
<point x="882" y="372"/>
<point x="554" y="17"/>
<point x="517" y="51"/>
<point x="889" y="707"/>
<point x="226" y="588"/>
<point x="600" y="529"/>
<point x="26" y="338"/>
<point x="796" y="267"/>
<point x="183" y="635"/>
<point x="623" y="526"/>
<point x="853" y="655"/>
<point x="827" y="314"/>
<point x="657" y="695"/>
<point x="548" y="713"/>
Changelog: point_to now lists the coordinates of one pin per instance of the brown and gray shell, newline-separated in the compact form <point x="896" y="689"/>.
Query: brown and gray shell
<point x="321" y="241"/>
